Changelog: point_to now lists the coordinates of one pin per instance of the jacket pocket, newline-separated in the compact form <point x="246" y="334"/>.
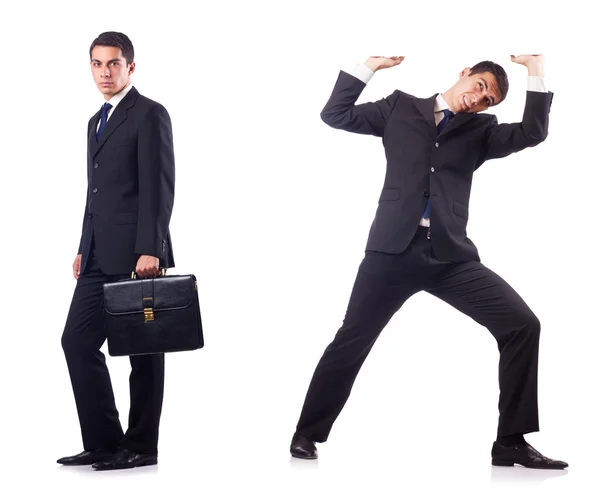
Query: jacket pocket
<point x="461" y="210"/>
<point x="389" y="194"/>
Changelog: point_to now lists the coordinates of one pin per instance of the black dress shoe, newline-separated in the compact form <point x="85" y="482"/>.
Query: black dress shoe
<point x="87" y="457"/>
<point x="525" y="455"/>
<point x="125" y="459"/>
<point x="303" y="448"/>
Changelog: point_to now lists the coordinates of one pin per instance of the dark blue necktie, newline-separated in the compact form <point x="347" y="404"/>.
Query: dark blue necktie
<point x="103" y="117"/>
<point x="448" y="115"/>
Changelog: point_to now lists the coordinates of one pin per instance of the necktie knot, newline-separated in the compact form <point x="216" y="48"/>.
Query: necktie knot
<point x="106" y="108"/>
<point x="448" y="115"/>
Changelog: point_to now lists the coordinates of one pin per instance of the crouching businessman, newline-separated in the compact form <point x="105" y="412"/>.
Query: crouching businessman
<point x="418" y="240"/>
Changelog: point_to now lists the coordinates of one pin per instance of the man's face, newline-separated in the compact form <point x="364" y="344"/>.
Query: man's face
<point x="474" y="93"/>
<point x="110" y="70"/>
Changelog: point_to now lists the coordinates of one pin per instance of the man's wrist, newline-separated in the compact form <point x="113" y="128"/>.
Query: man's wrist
<point x="535" y="70"/>
<point x="372" y="64"/>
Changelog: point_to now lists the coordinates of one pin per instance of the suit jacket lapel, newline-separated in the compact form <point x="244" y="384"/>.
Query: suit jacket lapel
<point x="425" y="107"/>
<point x="456" y="122"/>
<point x="118" y="116"/>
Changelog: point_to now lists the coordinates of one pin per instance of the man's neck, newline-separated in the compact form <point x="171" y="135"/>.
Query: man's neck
<point x="108" y="97"/>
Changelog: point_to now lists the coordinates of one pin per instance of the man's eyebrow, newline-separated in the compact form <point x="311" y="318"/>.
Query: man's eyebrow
<point x="94" y="60"/>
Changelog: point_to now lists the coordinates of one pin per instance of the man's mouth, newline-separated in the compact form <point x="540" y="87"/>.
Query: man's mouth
<point x="466" y="102"/>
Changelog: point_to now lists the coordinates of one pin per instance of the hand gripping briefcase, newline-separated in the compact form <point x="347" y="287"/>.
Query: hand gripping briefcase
<point x="152" y="316"/>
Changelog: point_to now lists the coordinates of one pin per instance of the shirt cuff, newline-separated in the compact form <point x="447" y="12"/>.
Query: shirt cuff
<point x="361" y="72"/>
<point x="536" y="84"/>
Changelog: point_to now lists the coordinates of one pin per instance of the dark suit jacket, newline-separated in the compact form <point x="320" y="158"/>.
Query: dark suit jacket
<point x="421" y="164"/>
<point x="131" y="181"/>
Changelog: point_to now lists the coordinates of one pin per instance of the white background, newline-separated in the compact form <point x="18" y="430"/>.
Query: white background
<point x="272" y="211"/>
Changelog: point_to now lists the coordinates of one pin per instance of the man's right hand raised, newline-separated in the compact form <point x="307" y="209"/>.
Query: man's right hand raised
<point x="378" y="62"/>
<point x="77" y="266"/>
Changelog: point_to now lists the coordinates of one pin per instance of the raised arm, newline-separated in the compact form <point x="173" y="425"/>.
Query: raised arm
<point x="507" y="138"/>
<point x="370" y="118"/>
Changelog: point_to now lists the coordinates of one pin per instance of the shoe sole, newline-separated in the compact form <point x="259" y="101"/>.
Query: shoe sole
<point x="496" y="462"/>
<point x="83" y="464"/>
<point x="76" y="464"/>
<point x="294" y="455"/>
<point x="147" y="462"/>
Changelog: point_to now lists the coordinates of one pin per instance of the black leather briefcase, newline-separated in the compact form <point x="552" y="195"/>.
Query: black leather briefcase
<point x="152" y="316"/>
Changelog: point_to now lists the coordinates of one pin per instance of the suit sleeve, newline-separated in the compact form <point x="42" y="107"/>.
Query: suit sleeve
<point x="156" y="181"/>
<point x="80" y="249"/>
<point x="342" y="113"/>
<point x="87" y="197"/>
<point x="506" y="138"/>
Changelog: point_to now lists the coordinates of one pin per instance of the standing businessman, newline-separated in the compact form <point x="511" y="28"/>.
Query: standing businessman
<point x="418" y="240"/>
<point x="131" y="179"/>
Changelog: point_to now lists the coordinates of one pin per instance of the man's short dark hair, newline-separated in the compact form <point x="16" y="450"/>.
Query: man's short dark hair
<point x="498" y="72"/>
<point x="117" y="40"/>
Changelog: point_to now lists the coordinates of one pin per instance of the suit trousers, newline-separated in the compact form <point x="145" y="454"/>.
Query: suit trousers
<point x="383" y="283"/>
<point x="83" y="336"/>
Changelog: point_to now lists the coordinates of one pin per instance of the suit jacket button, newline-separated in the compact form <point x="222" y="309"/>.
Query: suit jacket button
<point x="95" y="190"/>
<point x="425" y="194"/>
<point x="433" y="169"/>
<point x="95" y="165"/>
<point x="437" y="144"/>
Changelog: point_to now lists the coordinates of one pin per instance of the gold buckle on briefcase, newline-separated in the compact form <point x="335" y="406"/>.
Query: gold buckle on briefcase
<point x="148" y="314"/>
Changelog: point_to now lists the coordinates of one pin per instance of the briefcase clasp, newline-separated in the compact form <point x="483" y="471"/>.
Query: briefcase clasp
<point x="148" y="314"/>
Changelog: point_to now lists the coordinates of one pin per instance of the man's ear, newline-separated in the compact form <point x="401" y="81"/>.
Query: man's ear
<point x="131" y="67"/>
<point x="465" y="71"/>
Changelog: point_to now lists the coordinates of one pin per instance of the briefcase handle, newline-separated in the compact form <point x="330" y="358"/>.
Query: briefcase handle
<point x="162" y="273"/>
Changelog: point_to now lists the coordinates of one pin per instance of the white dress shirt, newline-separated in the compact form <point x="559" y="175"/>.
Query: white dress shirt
<point x="364" y="73"/>
<point x="114" y="101"/>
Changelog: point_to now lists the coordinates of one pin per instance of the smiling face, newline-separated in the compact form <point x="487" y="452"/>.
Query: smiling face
<point x="110" y="70"/>
<point x="473" y="93"/>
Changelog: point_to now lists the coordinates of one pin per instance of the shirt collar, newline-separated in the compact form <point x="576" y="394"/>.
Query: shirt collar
<point x="440" y="104"/>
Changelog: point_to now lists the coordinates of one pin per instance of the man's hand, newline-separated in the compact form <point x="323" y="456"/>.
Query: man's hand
<point x="147" y="266"/>
<point x="77" y="267"/>
<point x="534" y="63"/>
<point x="378" y="62"/>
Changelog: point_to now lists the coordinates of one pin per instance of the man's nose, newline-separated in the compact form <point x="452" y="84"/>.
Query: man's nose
<point x="106" y="72"/>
